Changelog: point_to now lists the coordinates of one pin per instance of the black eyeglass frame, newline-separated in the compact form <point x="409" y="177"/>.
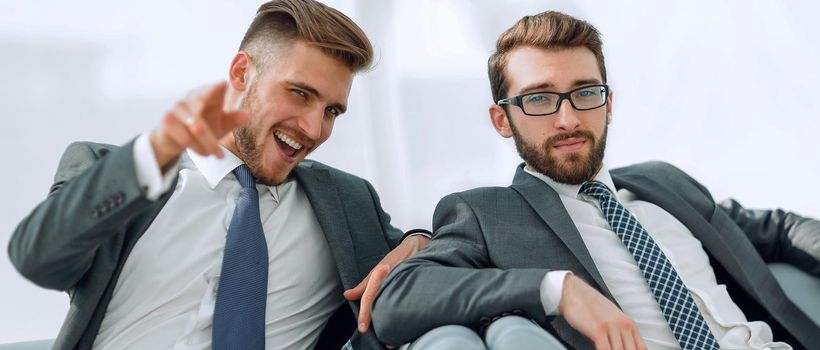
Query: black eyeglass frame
<point x="518" y="100"/>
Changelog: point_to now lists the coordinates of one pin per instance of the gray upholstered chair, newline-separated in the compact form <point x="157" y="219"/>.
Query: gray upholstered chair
<point x="29" y="345"/>
<point x="799" y="286"/>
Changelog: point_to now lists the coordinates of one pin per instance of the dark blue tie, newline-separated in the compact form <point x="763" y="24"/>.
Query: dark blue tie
<point x="678" y="307"/>
<point x="239" y="314"/>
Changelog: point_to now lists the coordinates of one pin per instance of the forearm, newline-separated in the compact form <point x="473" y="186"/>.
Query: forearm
<point x="391" y="234"/>
<point x="55" y="244"/>
<point x="423" y="294"/>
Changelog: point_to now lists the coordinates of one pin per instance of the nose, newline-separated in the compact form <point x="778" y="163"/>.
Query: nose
<point x="311" y="123"/>
<point x="567" y="117"/>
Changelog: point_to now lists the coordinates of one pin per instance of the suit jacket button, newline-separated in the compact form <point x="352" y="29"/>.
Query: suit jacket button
<point x="485" y="321"/>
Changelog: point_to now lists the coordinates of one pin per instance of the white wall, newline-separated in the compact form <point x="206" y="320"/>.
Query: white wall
<point x="725" y="90"/>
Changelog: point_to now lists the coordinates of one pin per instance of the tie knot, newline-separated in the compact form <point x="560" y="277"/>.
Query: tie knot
<point x="596" y="189"/>
<point x="244" y="176"/>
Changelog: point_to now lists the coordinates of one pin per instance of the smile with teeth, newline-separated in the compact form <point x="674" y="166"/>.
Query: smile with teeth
<point x="289" y="141"/>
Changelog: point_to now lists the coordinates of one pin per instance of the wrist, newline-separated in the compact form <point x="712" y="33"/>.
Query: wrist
<point x="567" y="292"/>
<point x="551" y="291"/>
<point x="416" y="232"/>
<point x="165" y="150"/>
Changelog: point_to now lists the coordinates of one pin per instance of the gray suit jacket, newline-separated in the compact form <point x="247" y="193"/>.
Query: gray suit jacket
<point x="78" y="239"/>
<point x="492" y="247"/>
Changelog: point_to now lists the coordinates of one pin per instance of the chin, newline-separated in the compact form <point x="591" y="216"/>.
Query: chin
<point x="277" y="177"/>
<point x="270" y="174"/>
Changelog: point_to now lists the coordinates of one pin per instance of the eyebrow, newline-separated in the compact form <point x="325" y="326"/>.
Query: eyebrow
<point x="341" y="107"/>
<point x="547" y="85"/>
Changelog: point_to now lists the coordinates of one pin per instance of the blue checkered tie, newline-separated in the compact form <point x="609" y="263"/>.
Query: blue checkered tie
<point x="239" y="314"/>
<point x="680" y="310"/>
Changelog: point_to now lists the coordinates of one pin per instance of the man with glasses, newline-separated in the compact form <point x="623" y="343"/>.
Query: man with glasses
<point x="632" y="258"/>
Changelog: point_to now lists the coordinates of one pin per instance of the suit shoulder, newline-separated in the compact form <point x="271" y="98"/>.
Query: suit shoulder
<point x="649" y="167"/>
<point x="653" y="169"/>
<point x="480" y="191"/>
<point x="663" y="173"/>
<point x="482" y="195"/>
<point x="339" y="175"/>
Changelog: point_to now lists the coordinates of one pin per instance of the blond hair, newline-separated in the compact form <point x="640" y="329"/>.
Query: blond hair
<point x="279" y="22"/>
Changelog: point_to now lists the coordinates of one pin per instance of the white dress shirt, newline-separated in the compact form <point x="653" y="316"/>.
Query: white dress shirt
<point x="627" y="284"/>
<point x="165" y="294"/>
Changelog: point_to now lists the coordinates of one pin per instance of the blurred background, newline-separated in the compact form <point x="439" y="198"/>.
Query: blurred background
<point x="726" y="90"/>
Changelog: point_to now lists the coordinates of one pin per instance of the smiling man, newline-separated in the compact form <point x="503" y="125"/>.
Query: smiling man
<point x="631" y="258"/>
<point x="213" y="231"/>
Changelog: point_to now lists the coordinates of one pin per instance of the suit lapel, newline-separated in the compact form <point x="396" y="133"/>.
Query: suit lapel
<point x="545" y="201"/>
<point x="329" y="209"/>
<point x="728" y="247"/>
<point x="653" y="192"/>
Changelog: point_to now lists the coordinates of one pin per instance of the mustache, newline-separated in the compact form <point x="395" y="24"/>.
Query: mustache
<point x="575" y="134"/>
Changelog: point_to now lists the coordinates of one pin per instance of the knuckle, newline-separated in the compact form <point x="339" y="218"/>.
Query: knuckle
<point x="625" y="323"/>
<point x="170" y="118"/>
<point x="197" y="129"/>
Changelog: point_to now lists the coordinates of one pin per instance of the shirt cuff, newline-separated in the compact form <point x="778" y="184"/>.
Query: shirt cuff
<point x="417" y="232"/>
<point x="552" y="286"/>
<point x="149" y="176"/>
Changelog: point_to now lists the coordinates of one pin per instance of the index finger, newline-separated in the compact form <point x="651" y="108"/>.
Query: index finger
<point x="214" y="98"/>
<point x="376" y="278"/>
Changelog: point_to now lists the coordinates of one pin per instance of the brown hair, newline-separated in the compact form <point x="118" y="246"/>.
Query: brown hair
<point x="279" y="22"/>
<point x="546" y="30"/>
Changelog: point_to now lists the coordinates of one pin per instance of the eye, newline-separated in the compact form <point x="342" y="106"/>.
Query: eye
<point x="590" y="93"/>
<point x="538" y="99"/>
<point x="300" y="93"/>
<point x="333" y="111"/>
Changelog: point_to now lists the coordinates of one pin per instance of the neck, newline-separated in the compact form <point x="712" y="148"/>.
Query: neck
<point x="228" y="141"/>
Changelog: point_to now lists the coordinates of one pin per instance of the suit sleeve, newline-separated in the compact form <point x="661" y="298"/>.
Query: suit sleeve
<point x="452" y="282"/>
<point x="779" y="235"/>
<point x="93" y="198"/>
<point x="391" y="234"/>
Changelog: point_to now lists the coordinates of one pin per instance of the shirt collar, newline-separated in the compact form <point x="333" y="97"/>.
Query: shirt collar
<point x="570" y="190"/>
<point x="215" y="170"/>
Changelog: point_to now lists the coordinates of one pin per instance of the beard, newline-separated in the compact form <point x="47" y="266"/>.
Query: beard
<point x="250" y="141"/>
<point x="574" y="168"/>
<point x="246" y="138"/>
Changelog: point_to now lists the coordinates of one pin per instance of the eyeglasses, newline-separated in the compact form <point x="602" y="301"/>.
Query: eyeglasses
<point x="545" y="103"/>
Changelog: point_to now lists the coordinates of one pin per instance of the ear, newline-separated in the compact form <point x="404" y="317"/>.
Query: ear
<point x="609" y="108"/>
<point x="241" y="71"/>
<point x="499" y="119"/>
